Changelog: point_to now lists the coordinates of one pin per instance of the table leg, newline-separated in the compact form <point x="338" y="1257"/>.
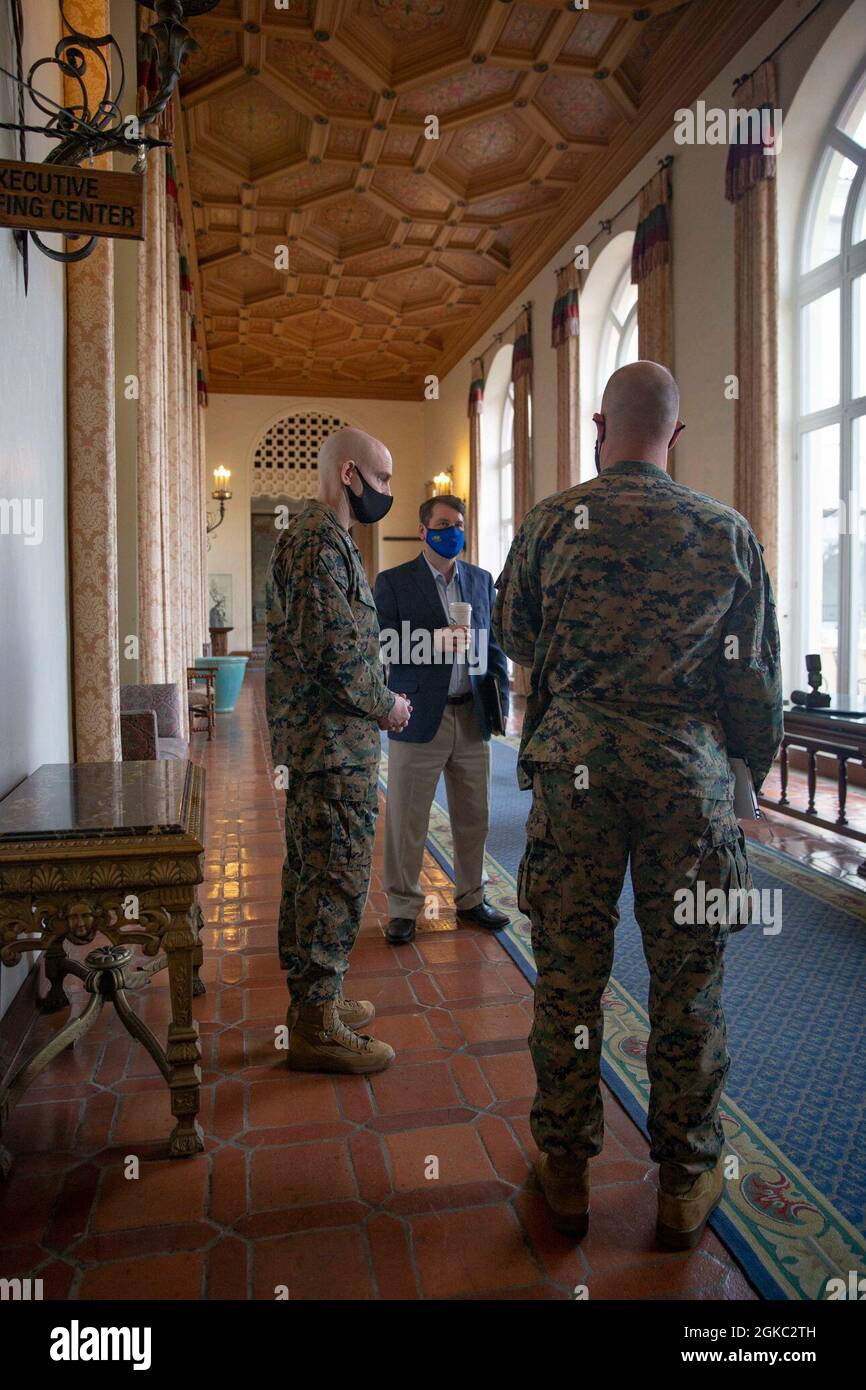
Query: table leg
<point x="198" y="984"/>
<point x="10" y="1095"/>
<point x="183" y="1052"/>
<point x="55" y="961"/>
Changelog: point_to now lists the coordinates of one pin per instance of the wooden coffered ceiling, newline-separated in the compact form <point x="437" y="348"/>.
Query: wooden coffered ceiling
<point x="303" y="126"/>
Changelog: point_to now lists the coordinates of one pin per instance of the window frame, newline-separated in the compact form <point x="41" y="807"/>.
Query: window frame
<point x="840" y="272"/>
<point x="505" y="459"/>
<point x="612" y="327"/>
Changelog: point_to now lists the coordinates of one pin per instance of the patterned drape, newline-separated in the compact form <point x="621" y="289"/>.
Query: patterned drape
<point x="565" y="331"/>
<point x="91" y="479"/>
<point x="750" y="184"/>
<point x="651" y="272"/>
<point x="476" y="410"/>
<point x="521" y="375"/>
<point x="172" y="570"/>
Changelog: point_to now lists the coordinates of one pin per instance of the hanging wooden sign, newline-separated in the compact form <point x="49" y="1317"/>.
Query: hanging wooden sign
<point x="69" y="199"/>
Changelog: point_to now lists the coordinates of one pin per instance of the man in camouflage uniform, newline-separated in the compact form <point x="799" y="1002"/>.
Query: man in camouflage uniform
<point x="646" y="616"/>
<point x="326" y="702"/>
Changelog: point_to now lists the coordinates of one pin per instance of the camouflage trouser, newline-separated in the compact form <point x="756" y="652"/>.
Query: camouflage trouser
<point x="330" y="827"/>
<point x="571" y="875"/>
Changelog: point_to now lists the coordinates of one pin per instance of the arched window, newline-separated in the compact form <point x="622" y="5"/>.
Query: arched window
<point x="619" y="330"/>
<point x="505" y="471"/>
<point x="608" y="333"/>
<point x="285" y="474"/>
<point x="496" y="504"/>
<point x="831" y="403"/>
<point x="285" y="459"/>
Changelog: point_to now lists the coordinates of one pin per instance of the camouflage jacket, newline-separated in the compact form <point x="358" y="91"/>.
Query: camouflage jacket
<point x="324" y="681"/>
<point x="646" y="614"/>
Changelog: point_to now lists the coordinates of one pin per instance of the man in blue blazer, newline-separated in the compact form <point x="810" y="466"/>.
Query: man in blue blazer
<point x="441" y="666"/>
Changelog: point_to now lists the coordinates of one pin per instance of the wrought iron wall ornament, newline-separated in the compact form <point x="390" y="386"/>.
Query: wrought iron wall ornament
<point x="18" y="38"/>
<point x="85" y="129"/>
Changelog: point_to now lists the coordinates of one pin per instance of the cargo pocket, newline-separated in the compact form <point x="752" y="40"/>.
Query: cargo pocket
<point x="537" y="872"/>
<point x="341" y="809"/>
<point x="724" y="865"/>
<point x="345" y="786"/>
<point x="354" y="805"/>
<point x="521" y="882"/>
<point x="310" y="819"/>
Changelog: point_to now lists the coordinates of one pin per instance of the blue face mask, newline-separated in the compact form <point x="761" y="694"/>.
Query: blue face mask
<point x="448" y="541"/>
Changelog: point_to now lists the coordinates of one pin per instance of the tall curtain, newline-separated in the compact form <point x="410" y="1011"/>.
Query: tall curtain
<point x="750" y="184"/>
<point x="521" y="375"/>
<point x="172" y="557"/>
<point x="565" y="339"/>
<point x="651" y="272"/>
<point x="476" y="410"/>
<point x="91" y="478"/>
<point x="201" y="454"/>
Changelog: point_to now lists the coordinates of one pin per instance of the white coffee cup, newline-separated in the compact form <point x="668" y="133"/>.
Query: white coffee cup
<point x="461" y="616"/>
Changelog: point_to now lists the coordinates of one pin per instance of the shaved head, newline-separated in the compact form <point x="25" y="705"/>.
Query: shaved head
<point x="641" y="400"/>
<point x="352" y="446"/>
<point x="348" y="459"/>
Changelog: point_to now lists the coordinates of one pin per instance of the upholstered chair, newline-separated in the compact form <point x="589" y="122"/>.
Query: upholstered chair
<point x="150" y="723"/>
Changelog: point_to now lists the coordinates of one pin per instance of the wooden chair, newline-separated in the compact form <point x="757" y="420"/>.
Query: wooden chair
<point x="202" y="701"/>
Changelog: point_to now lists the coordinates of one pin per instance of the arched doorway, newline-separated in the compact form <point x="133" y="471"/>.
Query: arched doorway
<point x="285" y="474"/>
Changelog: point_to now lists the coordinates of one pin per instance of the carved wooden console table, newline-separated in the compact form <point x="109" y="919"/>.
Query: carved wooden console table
<point x="114" y="849"/>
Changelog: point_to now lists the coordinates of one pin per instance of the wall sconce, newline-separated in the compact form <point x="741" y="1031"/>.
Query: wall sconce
<point x="441" y="486"/>
<point x="221" y="493"/>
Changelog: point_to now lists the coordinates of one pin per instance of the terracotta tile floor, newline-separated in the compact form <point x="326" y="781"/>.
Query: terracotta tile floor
<point x="316" y="1183"/>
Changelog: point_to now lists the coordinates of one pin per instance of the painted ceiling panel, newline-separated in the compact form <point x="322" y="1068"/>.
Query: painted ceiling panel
<point x="401" y="245"/>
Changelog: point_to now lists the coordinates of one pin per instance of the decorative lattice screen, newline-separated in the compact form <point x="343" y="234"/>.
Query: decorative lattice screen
<point x="284" y="464"/>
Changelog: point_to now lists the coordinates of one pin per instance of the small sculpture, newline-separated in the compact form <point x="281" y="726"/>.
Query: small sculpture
<point x="814" y="698"/>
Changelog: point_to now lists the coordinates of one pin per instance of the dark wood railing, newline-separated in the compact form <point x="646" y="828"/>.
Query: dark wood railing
<point x="815" y="744"/>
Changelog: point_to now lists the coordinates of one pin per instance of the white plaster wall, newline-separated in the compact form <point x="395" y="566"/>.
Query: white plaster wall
<point x="235" y="424"/>
<point x="34" y="670"/>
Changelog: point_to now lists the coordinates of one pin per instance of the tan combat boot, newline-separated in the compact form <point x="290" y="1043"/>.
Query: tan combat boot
<point x="685" y="1204"/>
<point x="565" y="1185"/>
<point x="355" y="1013"/>
<point x="320" y="1041"/>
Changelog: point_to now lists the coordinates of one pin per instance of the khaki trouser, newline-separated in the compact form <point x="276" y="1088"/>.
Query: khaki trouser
<point x="459" y="751"/>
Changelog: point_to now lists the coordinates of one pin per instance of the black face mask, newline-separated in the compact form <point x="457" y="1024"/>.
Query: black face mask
<point x="598" y="456"/>
<point x="371" y="506"/>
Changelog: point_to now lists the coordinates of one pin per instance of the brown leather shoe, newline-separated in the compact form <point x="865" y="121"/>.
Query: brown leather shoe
<point x="684" y="1207"/>
<point x="320" y="1041"/>
<point x="355" y="1013"/>
<point x="566" y="1190"/>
